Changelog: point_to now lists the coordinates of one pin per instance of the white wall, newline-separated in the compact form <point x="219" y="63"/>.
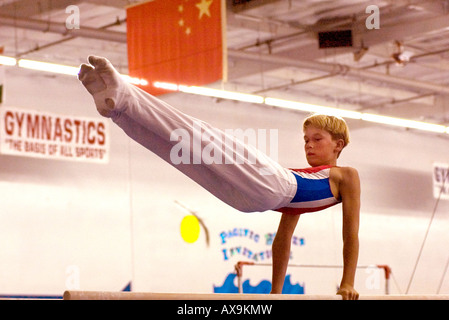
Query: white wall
<point x="66" y="224"/>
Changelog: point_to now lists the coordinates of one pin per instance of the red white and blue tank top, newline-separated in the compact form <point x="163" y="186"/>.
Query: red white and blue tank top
<point x="313" y="192"/>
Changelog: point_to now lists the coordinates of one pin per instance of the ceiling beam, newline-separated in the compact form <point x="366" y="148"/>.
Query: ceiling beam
<point x="32" y="8"/>
<point x="48" y="26"/>
<point x="274" y="60"/>
<point x="244" y="5"/>
<point x="339" y="69"/>
<point x="119" y="4"/>
<point x="402" y="31"/>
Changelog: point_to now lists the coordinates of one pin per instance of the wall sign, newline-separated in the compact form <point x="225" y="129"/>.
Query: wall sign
<point x="46" y="135"/>
<point x="441" y="180"/>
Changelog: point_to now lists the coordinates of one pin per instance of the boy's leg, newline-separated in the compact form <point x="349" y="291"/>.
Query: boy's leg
<point x="151" y="122"/>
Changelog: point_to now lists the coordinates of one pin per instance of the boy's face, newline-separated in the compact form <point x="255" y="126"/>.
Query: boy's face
<point x="321" y="149"/>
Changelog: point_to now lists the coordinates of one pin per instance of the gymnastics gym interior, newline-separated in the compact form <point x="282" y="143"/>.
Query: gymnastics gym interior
<point x="86" y="212"/>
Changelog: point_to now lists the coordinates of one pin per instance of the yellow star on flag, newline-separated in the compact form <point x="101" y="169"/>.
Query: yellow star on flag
<point x="203" y="6"/>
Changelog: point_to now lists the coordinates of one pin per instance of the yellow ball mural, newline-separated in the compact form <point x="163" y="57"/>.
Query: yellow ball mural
<point x="190" y="229"/>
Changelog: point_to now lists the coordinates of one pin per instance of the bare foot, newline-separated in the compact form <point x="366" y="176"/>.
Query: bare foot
<point x="102" y="81"/>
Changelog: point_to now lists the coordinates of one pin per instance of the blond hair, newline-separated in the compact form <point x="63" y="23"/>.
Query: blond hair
<point x="335" y="125"/>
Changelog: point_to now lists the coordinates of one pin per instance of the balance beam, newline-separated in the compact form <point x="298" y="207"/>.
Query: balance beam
<point x="109" y="295"/>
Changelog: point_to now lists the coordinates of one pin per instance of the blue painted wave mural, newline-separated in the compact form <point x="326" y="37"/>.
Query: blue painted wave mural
<point x="264" y="286"/>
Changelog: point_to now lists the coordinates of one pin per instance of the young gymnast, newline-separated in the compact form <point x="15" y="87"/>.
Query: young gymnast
<point x="246" y="179"/>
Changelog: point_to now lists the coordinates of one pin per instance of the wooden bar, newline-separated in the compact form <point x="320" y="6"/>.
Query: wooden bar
<point x="107" y="295"/>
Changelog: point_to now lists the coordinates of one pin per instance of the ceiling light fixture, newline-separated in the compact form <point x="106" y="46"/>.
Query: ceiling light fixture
<point x="49" y="67"/>
<point x="222" y="94"/>
<point x="136" y="81"/>
<point x="405" y="123"/>
<point x="300" y="106"/>
<point x="210" y="92"/>
<point x="401" y="57"/>
<point x="244" y="97"/>
<point x="7" y="61"/>
<point x="306" y="107"/>
<point x="61" y="69"/>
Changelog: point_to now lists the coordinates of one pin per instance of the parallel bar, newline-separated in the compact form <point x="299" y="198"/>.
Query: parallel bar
<point x="105" y="295"/>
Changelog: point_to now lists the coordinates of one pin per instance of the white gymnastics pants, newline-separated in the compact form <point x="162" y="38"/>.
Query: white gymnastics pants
<point x="241" y="176"/>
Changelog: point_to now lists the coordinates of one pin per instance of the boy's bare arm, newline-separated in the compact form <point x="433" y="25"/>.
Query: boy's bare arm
<point x="350" y="195"/>
<point x="281" y="250"/>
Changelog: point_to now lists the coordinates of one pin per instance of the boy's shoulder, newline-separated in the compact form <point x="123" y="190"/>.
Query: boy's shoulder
<point x="349" y="170"/>
<point x="345" y="173"/>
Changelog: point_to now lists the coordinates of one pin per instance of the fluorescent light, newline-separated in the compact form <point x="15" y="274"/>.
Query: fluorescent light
<point x="306" y="107"/>
<point x="294" y="105"/>
<point x="405" y="123"/>
<point x="48" y="67"/>
<point x="136" y="81"/>
<point x="210" y="92"/>
<point x="67" y="70"/>
<point x="412" y="124"/>
<point x="166" y="86"/>
<point x="245" y="97"/>
<point x="7" y="61"/>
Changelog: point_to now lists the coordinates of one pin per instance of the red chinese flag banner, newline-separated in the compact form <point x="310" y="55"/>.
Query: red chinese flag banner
<point x="176" y="41"/>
